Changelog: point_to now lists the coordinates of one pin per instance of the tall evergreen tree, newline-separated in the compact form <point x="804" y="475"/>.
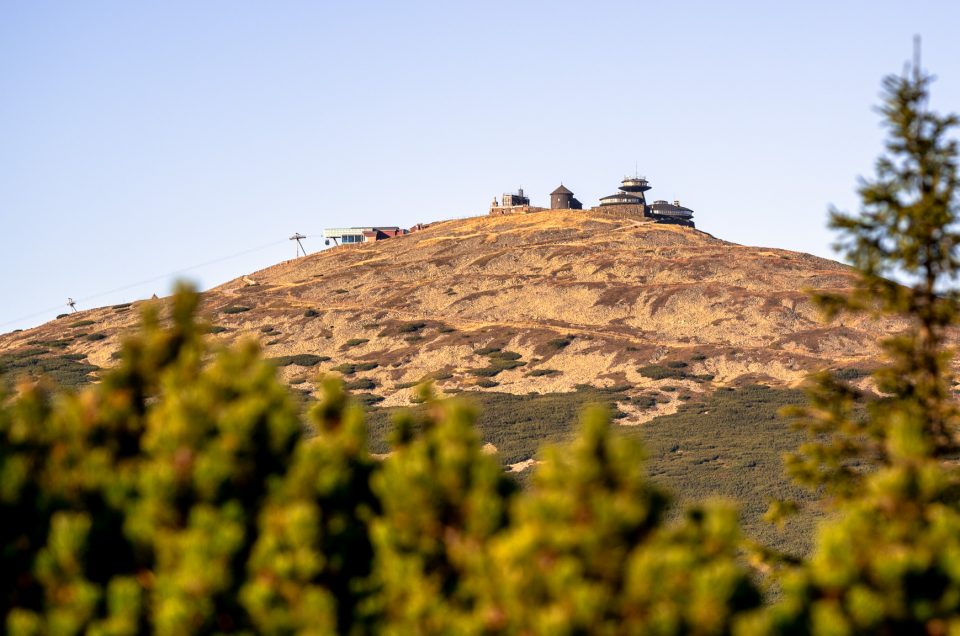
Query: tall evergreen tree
<point x="889" y="561"/>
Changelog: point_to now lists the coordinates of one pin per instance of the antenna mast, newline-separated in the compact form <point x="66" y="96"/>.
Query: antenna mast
<point x="72" y="304"/>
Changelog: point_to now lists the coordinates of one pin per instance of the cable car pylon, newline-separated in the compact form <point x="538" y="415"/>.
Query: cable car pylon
<point x="296" y="237"/>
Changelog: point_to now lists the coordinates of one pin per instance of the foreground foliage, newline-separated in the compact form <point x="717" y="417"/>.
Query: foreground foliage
<point x="181" y="495"/>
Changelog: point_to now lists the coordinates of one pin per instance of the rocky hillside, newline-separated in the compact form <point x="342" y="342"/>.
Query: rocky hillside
<point x="538" y="303"/>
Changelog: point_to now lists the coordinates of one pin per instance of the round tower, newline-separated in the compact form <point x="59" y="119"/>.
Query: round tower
<point x="634" y="184"/>
<point x="561" y="198"/>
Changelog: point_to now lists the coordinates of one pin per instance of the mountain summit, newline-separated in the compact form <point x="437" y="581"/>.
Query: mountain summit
<point x="542" y="303"/>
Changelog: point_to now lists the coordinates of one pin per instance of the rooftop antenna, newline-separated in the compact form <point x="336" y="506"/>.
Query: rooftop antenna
<point x="296" y="237"/>
<point x="72" y="304"/>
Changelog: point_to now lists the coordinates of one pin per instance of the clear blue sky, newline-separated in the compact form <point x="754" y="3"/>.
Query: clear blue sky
<point x="139" y="138"/>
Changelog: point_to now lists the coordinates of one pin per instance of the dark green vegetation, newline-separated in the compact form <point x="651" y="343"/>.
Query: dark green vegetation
<point x="499" y="361"/>
<point x="299" y="359"/>
<point x="360" y="384"/>
<point x="677" y="370"/>
<point x="235" y="309"/>
<point x="731" y="444"/>
<point x="349" y="368"/>
<point x="355" y="342"/>
<point x="536" y="373"/>
<point x="61" y="343"/>
<point x="311" y="313"/>
<point x="516" y="424"/>
<point x="67" y="370"/>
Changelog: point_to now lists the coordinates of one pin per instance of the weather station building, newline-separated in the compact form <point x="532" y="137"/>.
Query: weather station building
<point x="512" y="203"/>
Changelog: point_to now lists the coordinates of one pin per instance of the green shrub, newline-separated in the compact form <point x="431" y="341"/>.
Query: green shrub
<point x="66" y="370"/>
<point x="355" y="342"/>
<point x="235" y="309"/>
<point x="560" y="343"/>
<point x="851" y="373"/>
<point x="368" y="399"/>
<point x="698" y="357"/>
<point x="122" y="306"/>
<point x="82" y="323"/>
<point x="644" y="401"/>
<point x="505" y="364"/>
<point x="94" y="337"/>
<point x="349" y="368"/>
<point x="361" y="384"/>
<point x="299" y="359"/>
<point x="62" y="343"/>
<point x="661" y="372"/>
<point x="487" y="384"/>
<point x="216" y="329"/>
<point x="485" y="372"/>
<point x="485" y="351"/>
<point x="536" y="373"/>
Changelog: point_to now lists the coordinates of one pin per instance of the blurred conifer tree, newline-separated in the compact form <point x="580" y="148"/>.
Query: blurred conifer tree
<point x="889" y="560"/>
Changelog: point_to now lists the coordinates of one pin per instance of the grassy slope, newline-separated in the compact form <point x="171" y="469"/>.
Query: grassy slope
<point x="728" y="445"/>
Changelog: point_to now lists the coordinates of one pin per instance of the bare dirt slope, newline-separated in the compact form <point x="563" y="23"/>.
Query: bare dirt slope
<point x="536" y="303"/>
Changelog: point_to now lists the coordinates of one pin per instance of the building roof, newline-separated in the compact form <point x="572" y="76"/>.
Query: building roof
<point x="337" y="232"/>
<point x="561" y="190"/>
<point x="621" y="195"/>
<point x="663" y="208"/>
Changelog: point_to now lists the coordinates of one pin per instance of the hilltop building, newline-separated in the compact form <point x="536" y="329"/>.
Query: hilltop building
<point x="563" y="199"/>
<point x="349" y="235"/>
<point x="629" y="200"/>
<point x="630" y="193"/>
<point x="512" y="203"/>
<point x="672" y="213"/>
